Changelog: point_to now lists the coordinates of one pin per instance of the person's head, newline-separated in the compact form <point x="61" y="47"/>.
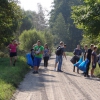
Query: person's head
<point x="13" y="41"/>
<point x="64" y="45"/>
<point x="78" y="46"/>
<point x="38" y="42"/>
<point x="46" y="46"/>
<point x="92" y="46"/>
<point x="95" y="48"/>
<point x="61" y="43"/>
<point x="86" y="47"/>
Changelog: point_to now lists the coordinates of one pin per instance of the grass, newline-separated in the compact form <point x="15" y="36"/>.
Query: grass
<point x="69" y="53"/>
<point x="97" y="71"/>
<point x="10" y="76"/>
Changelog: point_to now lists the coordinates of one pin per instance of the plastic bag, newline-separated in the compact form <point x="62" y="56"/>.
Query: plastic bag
<point x="83" y="65"/>
<point x="74" y="59"/>
<point x="29" y="60"/>
<point x="79" y="62"/>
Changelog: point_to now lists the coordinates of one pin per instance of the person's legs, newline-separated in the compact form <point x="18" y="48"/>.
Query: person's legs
<point x="60" y="62"/>
<point x="92" y="70"/>
<point x="47" y="58"/>
<point x="10" y="61"/>
<point x="44" y="61"/>
<point x="87" y="69"/>
<point x="77" y="67"/>
<point x="35" y="65"/>
<point x="15" y="58"/>
<point x="56" y="61"/>
<point x="38" y="63"/>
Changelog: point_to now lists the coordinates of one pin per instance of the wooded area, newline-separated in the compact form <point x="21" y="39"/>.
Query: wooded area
<point x="72" y="21"/>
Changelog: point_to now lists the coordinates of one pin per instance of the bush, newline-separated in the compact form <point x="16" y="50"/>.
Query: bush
<point x="30" y="37"/>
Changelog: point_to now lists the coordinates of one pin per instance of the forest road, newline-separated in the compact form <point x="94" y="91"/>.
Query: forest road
<point x="52" y="85"/>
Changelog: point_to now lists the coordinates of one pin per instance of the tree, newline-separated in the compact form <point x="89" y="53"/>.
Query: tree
<point x="64" y="7"/>
<point x="10" y="15"/>
<point x="60" y="28"/>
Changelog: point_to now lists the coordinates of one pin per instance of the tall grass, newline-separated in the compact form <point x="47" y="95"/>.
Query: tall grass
<point x="11" y="76"/>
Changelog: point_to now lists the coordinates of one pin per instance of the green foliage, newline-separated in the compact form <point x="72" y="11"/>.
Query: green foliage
<point x="49" y="40"/>
<point x="60" y="22"/>
<point x="87" y="16"/>
<point x="10" y="15"/>
<point x="10" y="76"/>
<point x="30" y="37"/>
<point x="59" y="28"/>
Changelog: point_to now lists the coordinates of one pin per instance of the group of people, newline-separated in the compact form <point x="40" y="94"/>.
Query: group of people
<point x="90" y="54"/>
<point x="38" y="52"/>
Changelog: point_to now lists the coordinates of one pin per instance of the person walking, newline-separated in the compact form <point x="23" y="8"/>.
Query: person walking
<point x="46" y="55"/>
<point x="94" y="61"/>
<point x="89" y="52"/>
<point x="13" y="51"/>
<point x="38" y="49"/>
<point x="77" y="53"/>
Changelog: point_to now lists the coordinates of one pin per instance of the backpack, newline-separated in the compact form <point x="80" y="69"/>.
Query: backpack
<point x="59" y="51"/>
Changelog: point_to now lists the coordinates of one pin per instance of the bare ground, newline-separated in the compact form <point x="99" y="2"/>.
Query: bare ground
<point x="51" y="85"/>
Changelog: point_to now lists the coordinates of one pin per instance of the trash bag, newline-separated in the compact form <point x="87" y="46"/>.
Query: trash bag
<point x="79" y="62"/>
<point x="29" y="60"/>
<point x="83" y="65"/>
<point x="74" y="59"/>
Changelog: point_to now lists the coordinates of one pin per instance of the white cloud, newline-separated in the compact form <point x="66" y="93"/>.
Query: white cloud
<point x="32" y="4"/>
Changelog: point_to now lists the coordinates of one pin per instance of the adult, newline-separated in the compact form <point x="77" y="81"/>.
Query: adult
<point x="94" y="60"/>
<point x="38" y="56"/>
<point x="77" y="53"/>
<point x="89" y="52"/>
<point x="85" y="54"/>
<point x="13" y="51"/>
<point x="85" y="51"/>
<point x="46" y="55"/>
<point x="59" y="55"/>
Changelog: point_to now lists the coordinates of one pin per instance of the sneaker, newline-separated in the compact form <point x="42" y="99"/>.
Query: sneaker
<point x="87" y="75"/>
<point x="93" y="76"/>
<point x="60" y="71"/>
<point x="54" y="69"/>
<point x="35" y="72"/>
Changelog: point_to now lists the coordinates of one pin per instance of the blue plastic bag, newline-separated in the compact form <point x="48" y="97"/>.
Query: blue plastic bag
<point x="29" y="60"/>
<point x="83" y="65"/>
<point x="79" y="62"/>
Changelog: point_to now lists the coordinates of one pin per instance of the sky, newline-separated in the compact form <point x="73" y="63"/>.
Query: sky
<point x="32" y="4"/>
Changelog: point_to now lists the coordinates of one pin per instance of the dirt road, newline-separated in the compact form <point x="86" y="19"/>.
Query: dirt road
<point x="51" y="85"/>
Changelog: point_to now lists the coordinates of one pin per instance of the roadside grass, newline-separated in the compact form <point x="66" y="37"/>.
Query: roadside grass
<point x="11" y="76"/>
<point x="69" y="53"/>
<point x="97" y="71"/>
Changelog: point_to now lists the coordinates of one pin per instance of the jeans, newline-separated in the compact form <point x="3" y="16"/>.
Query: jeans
<point x="59" y="62"/>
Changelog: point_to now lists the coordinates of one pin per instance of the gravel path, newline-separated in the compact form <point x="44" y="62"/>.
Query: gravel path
<point x="51" y="85"/>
